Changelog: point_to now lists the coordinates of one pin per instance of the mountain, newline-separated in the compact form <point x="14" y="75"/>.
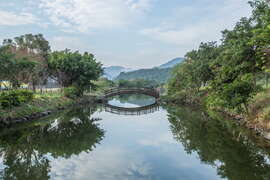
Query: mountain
<point x="159" y="74"/>
<point x="155" y="74"/>
<point x="112" y="72"/>
<point x="171" y="63"/>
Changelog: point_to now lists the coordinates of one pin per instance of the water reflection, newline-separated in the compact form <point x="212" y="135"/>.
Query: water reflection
<point x="26" y="151"/>
<point x="221" y="144"/>
<point x="172" y="143"/>
<point x="132" y="105"/>
<point x="131" y="100"/>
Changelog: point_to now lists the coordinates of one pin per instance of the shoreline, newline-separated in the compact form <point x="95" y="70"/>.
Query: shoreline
<point x="44" y="110"/>
<point x="242" y="120"/>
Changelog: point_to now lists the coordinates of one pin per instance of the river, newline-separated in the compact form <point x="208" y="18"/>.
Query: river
<point x="159" y="143"/>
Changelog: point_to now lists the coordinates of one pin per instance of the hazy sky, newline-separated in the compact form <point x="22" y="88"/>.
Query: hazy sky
<point x="131" y="33"/>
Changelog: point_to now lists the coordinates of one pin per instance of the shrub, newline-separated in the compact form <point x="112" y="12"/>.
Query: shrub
<point x="15" y="97"/>
<point x="72" y="92"/>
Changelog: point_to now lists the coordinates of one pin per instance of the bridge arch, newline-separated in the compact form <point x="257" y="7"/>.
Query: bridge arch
<point x="131" y="111"/>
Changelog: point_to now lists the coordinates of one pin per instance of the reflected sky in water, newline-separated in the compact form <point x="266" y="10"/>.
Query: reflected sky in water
<point x="131" y="100"/>
<point x="116" y="102"/>
<point x="174" y="143"/>
<point x="134" y="148"/>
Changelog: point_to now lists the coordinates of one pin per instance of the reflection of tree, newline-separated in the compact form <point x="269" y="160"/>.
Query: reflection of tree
<point x="25" y="164"/>
<point x="73" y="134"/>
<point x="235" y="156"/>
<point x="25" y="149"/>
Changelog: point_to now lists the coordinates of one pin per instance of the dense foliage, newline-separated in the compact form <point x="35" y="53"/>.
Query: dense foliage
<point x="102" y="84"/>
<point x="24" y="60"/>
<point x="74" y="69"/>
<point x="15" y="98"/>
<point x="155" y="74"/>
<point x="139" y="83"/>
<point x="71" y="92"/>
<point x="229" y="71"/>
<point x="27" y="61"/>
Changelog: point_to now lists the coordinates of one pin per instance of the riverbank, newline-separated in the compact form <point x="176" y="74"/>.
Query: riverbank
<point x="259" y="111"/>
<point x="42" y="105"/>
<point x="257" y="118"/>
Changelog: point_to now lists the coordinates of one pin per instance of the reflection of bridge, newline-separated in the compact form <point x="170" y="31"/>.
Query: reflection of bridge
<point x="118" y="91"/>
<point x="132" y="111"/>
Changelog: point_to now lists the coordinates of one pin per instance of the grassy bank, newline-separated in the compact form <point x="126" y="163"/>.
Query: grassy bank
<point x="259" y="110"/>
<point x="257" y="117"/>
<point x="41" y="103"/>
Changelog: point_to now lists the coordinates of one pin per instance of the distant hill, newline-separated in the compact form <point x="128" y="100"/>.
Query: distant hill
<point x="155" y="74"/>
<point x="171" y="63"/>
<point x="159" y="74"/>
<point x="112" y="72"/>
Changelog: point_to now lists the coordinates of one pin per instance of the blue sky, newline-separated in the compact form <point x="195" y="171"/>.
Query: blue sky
<point x="130" y="33"/>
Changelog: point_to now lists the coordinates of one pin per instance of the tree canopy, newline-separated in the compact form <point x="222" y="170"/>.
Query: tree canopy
<point x="24" y="60"/>
<point x="74" y="69"/>
<point x="229" y="71"/>
<point x="28" y="59"/>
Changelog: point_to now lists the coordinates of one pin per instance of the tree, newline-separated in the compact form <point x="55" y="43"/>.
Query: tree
<point x="16" y="70"/>
<point x="230" y="70"/>
<point x="137" y="83"/>
<point x="33" y="49"/>
<point x="196" y="70"/>
<point x="75" y="69"/>
<point x="236" y="67"/>
<point x="261" y="37"/>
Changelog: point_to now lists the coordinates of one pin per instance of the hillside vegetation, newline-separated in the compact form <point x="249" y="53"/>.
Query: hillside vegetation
<point x="229" y="76"/>
<point x="158" y="75"/>
<point x="113" y="71"/>
<point x="171" y="63"/>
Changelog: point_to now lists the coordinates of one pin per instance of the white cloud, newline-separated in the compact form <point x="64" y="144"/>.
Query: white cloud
<point x="103" y="163"/>
<point x="11" y="19"/>
<point x="88" y="15"/>
<point x="140" y="5"/>
<point x="158" y="141"/>
<point x="209" y="21"/>
<point x="67" y="42"/>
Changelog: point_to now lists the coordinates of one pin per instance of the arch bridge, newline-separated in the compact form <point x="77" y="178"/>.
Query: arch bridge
<point x="146" y="91"/>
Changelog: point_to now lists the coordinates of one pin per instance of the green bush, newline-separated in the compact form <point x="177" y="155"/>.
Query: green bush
<point x="15" y="97"/>
<point x="72" y="92"/>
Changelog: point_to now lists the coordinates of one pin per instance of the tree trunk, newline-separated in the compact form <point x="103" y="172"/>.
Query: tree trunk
<point x="34" y="87"/>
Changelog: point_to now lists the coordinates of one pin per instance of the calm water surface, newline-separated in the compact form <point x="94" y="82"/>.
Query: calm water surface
<point x="169" y="144"/>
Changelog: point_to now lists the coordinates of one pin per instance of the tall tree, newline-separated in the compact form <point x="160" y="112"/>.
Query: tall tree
<point x="35" y="49"/>
<point x="75" y="69"/>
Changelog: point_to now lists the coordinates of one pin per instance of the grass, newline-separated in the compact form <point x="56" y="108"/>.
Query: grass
<point x="260" y="109"/>
<point x="40" y="103"/>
